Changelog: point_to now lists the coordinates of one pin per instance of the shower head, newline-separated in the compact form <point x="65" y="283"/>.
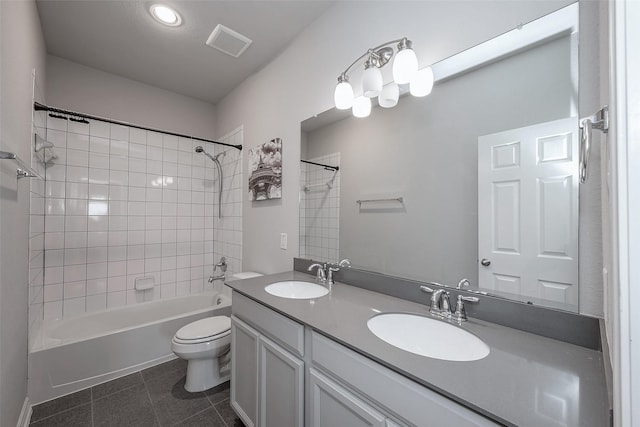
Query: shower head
<point x="199" y="149"/>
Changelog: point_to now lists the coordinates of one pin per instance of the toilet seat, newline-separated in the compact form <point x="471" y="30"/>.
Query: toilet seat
<point x="204" y="330"/>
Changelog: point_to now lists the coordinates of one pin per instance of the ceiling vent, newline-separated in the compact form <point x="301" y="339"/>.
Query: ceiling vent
<point x="228" y="41"/>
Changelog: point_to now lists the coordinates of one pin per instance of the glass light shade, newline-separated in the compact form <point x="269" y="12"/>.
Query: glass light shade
<point x="405" y="66"/>
<point x="422" y="82"/>
<point x="388" y="98"/>
<point x="361" y="107"/>
<point x="343" y="96"/>
<point x="371" y="82"/>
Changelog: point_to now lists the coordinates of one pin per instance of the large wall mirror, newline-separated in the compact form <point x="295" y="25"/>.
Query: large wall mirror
<point x="479" y="180"/>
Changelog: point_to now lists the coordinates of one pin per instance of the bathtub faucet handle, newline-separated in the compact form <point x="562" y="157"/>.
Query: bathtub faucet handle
<point x="222" y="264"/>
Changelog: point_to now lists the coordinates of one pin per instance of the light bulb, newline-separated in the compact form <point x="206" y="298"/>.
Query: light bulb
<point x="405" y="66"/>
<point x="388" y="98"/>
<point x="371" y="82"/>
<point x="361" y="107"/>
<point x="165" y="15"/>
<point x="343" y="95"/>
<point x="422" y="82"/>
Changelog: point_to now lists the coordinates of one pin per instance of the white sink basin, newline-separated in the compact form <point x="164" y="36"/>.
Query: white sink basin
<point x="296" y="290"/>
<point x="427" y="337"/>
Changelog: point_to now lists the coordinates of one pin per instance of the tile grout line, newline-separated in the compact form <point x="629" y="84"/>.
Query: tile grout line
<point x="92" y="421"/>
<point x="153" y="408"/>
<point x="60" y="412"/>
<point x="112" y="393"/>
<point x="220" y="415"/>
<point x="191" y="416"/>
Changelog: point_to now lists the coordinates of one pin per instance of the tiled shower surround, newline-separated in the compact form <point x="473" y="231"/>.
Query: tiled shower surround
<point x="124" y="203"/>
<point x="319" y="209"/>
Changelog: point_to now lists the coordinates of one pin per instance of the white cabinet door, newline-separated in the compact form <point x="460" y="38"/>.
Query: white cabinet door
<point x="281" y="397"/>
<point x="244" y="371"/>
<point x="332" y="406"/>
<point x="528" y="211"/>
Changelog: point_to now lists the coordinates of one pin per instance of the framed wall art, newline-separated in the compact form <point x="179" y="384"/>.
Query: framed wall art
<point x="265" y="171"/>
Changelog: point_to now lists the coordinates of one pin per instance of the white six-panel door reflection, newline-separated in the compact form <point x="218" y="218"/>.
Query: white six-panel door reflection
<point x="528" y="212"/>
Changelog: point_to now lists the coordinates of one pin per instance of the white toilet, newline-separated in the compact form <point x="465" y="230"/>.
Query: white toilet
<point x="206" y="345"/>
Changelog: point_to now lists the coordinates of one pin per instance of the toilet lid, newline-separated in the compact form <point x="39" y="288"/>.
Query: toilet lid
<point x="204" y="328"/>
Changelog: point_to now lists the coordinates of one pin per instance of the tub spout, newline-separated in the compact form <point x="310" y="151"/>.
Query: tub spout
<point x="214" y="278"/>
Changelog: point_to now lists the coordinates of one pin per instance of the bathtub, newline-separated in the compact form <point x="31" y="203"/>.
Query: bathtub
<point x="72" y="354"/>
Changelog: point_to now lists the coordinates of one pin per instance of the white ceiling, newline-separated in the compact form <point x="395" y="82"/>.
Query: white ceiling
<point x="121" y="37"/>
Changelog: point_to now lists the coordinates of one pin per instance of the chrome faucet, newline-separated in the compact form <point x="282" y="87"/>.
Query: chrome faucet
<point x="320" y="274"/>
<point x="441" y="304"/>
<point x="325" y="271"/>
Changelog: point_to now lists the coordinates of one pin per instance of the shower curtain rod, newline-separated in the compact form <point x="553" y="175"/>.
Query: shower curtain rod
<point x="333" y="168"/>
<point x="42" y="107"/>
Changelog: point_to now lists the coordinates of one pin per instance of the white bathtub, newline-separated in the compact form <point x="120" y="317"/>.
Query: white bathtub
<point x="72" y="354"/>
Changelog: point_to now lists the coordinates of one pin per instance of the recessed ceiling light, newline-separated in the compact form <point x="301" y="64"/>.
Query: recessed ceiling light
<point x="165" y="15"/>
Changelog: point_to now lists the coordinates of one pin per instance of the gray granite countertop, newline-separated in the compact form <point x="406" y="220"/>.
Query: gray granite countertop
<point x="526" y="380"/>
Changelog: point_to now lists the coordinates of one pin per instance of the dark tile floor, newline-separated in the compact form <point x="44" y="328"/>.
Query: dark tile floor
<point x="153" y="397"/>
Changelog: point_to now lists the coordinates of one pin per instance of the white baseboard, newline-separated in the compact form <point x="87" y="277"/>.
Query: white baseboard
<point x="25" y="414"/>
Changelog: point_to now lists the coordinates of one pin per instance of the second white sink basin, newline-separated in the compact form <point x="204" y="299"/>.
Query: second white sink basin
<point x="427" y="337"/>
<point x="296" y="290"/>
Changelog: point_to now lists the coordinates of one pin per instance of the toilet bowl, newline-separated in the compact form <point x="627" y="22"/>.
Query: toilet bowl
<point x="206" y="346"/>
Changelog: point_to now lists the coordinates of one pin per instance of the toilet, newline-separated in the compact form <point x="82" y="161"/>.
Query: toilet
<point x="206" y="345"/>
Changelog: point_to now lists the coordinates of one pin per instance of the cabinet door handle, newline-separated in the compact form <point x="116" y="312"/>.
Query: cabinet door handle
<point x="485" y="262"/>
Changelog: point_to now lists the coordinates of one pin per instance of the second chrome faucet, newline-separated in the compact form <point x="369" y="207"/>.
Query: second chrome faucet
<point x="441" y="304"/>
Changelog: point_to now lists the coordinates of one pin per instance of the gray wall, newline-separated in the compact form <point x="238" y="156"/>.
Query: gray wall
<point x="22" y="51"/>
<point x="425" y="149"/>
<point x="88" y="90"/>
<point x="299" y="83"/>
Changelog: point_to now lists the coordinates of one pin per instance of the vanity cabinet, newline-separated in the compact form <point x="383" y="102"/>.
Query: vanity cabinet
<point x="267" y="379"/>
<point x="270" y="369"/>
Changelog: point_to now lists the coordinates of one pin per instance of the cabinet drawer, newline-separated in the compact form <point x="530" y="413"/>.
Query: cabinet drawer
<point x="286" y="332"/>
<point x="413" y="402"/>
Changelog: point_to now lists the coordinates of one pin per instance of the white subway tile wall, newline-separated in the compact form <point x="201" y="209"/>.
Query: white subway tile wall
<point x="121" y="203"/>
<point x="319" y="209"/>
<point x="227" y="230"/>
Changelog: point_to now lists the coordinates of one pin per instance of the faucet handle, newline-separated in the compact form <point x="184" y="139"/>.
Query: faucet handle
<point x="437" y="284"/>
<point x="426" y="289"/>
<point x="461" y="314"/>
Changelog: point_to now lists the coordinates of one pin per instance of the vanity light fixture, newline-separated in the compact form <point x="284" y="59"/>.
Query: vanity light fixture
<point x="405" y="71"/>
<point x="165" y="15"/>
